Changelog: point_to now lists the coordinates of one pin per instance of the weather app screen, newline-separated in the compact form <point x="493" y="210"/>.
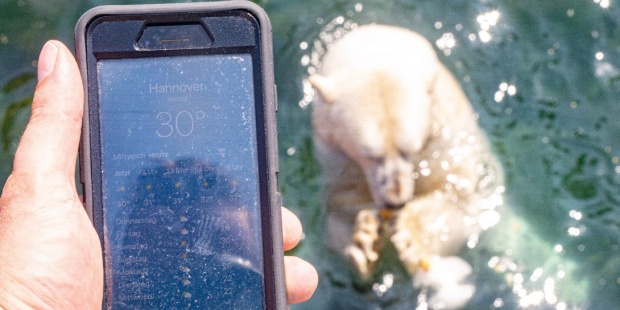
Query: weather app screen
<point x="180" y="183"/>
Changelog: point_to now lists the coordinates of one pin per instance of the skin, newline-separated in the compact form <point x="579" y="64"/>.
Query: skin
<point x="50" y="255"/>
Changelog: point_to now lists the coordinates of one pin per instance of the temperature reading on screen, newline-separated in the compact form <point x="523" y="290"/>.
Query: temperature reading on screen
<point x="181" y="123"/>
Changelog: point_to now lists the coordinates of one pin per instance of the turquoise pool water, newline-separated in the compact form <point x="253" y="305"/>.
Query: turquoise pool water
<point x="544" y="77"/>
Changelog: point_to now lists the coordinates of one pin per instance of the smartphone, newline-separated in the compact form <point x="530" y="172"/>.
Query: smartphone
<point x="178" y="156"/>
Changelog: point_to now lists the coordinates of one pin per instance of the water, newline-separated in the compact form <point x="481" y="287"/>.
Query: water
<point x="544" y="77"/>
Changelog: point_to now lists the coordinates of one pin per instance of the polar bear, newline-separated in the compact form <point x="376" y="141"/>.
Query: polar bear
<point x="402" y="156"/>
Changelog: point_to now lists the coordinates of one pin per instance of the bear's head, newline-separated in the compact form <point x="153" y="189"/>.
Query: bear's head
<point x="381" y="120"/>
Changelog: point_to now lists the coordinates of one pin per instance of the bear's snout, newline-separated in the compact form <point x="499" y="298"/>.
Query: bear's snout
<point x="395" y="185"/>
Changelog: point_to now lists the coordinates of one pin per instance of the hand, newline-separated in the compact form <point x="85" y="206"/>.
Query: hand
<point x="50" y="254"/>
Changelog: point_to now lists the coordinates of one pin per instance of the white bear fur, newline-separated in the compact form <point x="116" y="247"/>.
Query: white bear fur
<point x="392" y="128"/>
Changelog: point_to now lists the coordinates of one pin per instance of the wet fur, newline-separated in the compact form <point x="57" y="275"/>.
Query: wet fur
<point x="392" y="127"/>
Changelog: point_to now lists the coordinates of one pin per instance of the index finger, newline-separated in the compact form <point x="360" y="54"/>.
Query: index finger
<point x="291" y="229"/>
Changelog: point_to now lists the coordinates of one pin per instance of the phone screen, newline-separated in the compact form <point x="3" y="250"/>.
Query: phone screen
<point x="180" y="182"/>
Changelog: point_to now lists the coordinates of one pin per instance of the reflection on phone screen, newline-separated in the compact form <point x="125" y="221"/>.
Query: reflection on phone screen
<point x="180" y="183"/>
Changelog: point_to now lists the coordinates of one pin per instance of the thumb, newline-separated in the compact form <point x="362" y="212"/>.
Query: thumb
<point x="50" y="142"/>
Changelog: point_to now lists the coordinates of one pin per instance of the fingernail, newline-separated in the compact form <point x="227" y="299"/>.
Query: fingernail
<point x="47" y="60"/>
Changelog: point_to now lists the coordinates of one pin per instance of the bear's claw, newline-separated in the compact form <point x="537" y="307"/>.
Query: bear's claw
<point x="363" y="252"/>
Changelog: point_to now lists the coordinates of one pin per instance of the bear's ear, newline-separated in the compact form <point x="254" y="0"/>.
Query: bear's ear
<point x="324" y="86"/>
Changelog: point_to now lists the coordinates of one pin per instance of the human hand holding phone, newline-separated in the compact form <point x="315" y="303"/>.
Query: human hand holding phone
<point x="50" y="254"/>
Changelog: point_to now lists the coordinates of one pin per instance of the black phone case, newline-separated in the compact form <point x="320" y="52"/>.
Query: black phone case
<point x="275" y="293"/>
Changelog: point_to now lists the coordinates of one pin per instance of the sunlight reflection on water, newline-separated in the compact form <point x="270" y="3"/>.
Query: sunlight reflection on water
<point x="531" y="261"/>
<point x="535" y="294"/>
